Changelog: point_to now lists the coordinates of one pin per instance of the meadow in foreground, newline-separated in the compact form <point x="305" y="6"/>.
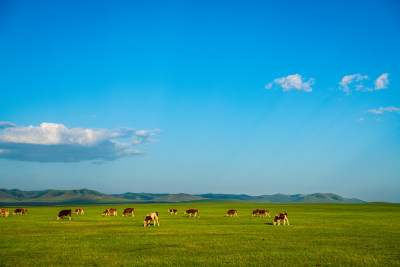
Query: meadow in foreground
<point x="318" y="235"/>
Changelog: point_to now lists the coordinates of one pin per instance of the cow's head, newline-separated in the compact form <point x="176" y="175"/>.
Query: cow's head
<point x="146" y="222"/>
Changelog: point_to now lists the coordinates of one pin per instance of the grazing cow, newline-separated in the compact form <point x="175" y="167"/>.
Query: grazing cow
<point x="127" y="211"/>
<point x="231" y="213"/>
<point x="108" y="212"/>
<point x="79" y="211"/>
<point x="281" y="216"/>
<point x="4" y="212"/>
<point x="24" y="210"/>
<point x="151" y="217"/>
<point x="195" y="212"/>
<point x="173" y="211"/>
<point x="17" y="211"/>
<point x="255" y="213"/>
<point x="264" y="213"/>
<point x="64" y="213"/>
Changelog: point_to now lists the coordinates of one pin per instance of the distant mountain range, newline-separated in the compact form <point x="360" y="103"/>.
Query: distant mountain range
<point x="86" y="196"/>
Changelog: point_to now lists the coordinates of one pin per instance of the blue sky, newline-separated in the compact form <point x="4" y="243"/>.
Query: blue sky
<point x="197" y="97"/>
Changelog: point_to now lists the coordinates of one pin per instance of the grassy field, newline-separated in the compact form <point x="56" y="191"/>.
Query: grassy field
<point x="318" y="235"/>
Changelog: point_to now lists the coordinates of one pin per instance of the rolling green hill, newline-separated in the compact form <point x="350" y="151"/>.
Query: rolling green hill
<point x="282" y="198"/>
<point x="139" y="196"/>
<point x="178" y="198"/>
<point x="54" y="197"/>
<point x="86" y="196"/>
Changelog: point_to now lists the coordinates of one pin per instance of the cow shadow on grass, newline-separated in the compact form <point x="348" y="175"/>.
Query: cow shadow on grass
<point x="269" y="223"/>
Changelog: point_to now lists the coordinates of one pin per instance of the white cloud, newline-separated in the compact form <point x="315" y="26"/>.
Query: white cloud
<point x="381" y="110"/>
<point x="349" y="79"/>
<point x="356" y="82"/>
<point x="52" y="142"/>
<point x="382" y="82"/>
<point x="295" y="82"/>
<point x="375" y="111"/>
<point x="55" y="134"/>
<point x="145" y="133"/>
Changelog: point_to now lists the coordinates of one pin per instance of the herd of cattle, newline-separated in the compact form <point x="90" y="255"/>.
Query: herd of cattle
<point x="6" y="212"/>
<point x="153" y="216"/>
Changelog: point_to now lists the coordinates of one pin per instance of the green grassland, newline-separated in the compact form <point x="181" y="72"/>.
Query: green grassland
<point x="318" y="235"/>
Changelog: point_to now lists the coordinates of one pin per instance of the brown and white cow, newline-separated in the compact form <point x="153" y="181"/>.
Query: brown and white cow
<point x="17" y="211"/>
<point x="4" y="212"/>
<point x="24" y="210"/>
<point x="255" y="213"/>
<point x="127" y="211"/>
<point x="173" y="211"/>
<point x="264" y="213"/>
<point x="231" y="213"/>
<point x="279" y="217"/>
<point x="151" y="217"/>
<point x="63" y="213"/>
<point x="108" y="212"/>
<point x="79" y="212"/>
<point x="195" y="212"/>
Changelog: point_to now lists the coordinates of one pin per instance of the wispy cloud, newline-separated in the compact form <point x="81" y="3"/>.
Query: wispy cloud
<point x="52" y="142"/>
<point x="350" y="79"/>
<point x="292" y="82"/>
<point x="382" y="82"/>
<point x="381" y="110"/>
<point x="357" y="82"/>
